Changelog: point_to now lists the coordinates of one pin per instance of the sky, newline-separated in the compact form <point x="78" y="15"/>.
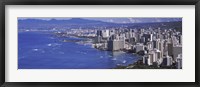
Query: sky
<point x="113" y="20"/>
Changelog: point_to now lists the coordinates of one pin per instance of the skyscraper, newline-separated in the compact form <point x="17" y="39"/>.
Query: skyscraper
<point x="170" y="49"/>
<point x="179" y="61"/>
<point x="176" y="51"/>
<point x="105" y="33"/>
<point x="167" y="61"/>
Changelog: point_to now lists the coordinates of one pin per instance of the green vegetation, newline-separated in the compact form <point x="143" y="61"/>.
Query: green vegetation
<point x="139" y="65"/>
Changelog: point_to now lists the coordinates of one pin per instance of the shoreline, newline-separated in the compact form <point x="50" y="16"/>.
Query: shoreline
<point x="136" y="64"/>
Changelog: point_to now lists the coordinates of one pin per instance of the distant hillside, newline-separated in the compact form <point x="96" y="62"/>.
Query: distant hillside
<point x="85" y="23"/>
<point x="53" y="23"/>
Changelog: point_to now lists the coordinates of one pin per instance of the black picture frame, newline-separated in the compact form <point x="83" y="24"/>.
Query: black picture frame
<point x="97" y="2"/>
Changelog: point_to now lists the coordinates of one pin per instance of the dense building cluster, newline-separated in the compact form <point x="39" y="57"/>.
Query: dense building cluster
<point x="160" y="47"/>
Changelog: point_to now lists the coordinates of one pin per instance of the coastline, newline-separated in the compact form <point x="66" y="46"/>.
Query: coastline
<point x="135" y="65"/>
<point x="139" y="65"/>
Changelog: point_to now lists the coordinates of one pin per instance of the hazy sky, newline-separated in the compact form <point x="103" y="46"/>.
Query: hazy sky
<point x="114" y="20"/>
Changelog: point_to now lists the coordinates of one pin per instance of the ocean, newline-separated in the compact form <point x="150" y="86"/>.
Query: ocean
<point x="43" y="50"/>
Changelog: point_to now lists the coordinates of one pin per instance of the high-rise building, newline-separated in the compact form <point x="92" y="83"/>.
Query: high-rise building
<point x="150" y="45"/>
<point x="179" y="61"/>
<point x="155" y="58"/>
<point x="151" y="37"/>
<point x="99" y="33"/>
<point x="98" y="39"/>
<point x="132" y="41"/>
<point x="112" y="32"/>
<point x="180" y="39"/>
<point x="154" y="55"/>
<point x="158" y="45"/>
<point x="139" y="47"/>
<point x="105" y="33"/>
<point x="174" y="40"/>
<point x="116" y="43"/>
<point x="145" y="60"/>
<point x="161" y="48"/>
<point x="127" y="35"/>
<point x="165" y="48"/>
<point x="167" y="61"/>
<point x="170" y="49"/>
<point x="133" y="34"/>
<point x="158" y="54"/>
<point x="150" y="59"/>
<point x="176" y="51"/>
<point x="154" y="43"/>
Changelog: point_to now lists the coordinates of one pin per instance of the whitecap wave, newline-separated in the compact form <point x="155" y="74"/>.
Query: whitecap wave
<point x="35" y="49"/>
<point x="124" y="61"/>
<point x="49" y="44"/>
<point x="114" y="59"/>
<point x="53" y="44"/>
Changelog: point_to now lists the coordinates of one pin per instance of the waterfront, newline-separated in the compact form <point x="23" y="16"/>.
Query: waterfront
<point x="81" y="43"/>
<point x="42" y="50"/>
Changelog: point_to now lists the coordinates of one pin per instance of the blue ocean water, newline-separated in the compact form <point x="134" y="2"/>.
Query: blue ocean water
<point x="42" y="50"/>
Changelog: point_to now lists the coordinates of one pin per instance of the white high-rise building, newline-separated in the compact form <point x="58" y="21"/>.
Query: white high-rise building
<point x="105" y="33"/>
<point x="151" y="37"/>
<point x="179" y="61"/>
<point x="150" y="45"/>
<point x="150" y="59"/>
<point x="157" y="55"/>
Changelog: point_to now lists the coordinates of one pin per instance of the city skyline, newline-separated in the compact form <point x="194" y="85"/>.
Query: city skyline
<point x="82" y="43"/>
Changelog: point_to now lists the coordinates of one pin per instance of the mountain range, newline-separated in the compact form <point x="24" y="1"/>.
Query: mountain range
<point x="114" y="19"/>
<point x="75" y="23"/>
